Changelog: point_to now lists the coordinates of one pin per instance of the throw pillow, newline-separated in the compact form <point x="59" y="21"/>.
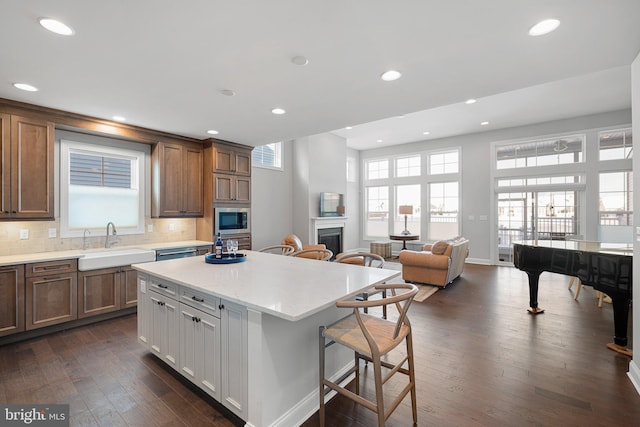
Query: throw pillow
<point x="439" y="247"/>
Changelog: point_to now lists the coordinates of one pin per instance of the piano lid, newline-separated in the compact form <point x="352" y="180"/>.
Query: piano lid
<point x="582" y="245"/>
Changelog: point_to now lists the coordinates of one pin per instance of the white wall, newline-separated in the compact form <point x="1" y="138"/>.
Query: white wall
<point x="476" y="197"/>
<point x="353" y="205"/>
<point x="319" y="164"/>
<point x="271" y="201"/>
<point x="634" y="366"/>
<point x="282" y="202"/>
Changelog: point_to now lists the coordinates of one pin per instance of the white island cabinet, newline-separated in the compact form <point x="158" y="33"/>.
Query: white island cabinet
<point x="247" y="333"/>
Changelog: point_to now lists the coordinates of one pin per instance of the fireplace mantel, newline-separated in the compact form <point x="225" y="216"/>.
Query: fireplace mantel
<point x="320" y="222"/>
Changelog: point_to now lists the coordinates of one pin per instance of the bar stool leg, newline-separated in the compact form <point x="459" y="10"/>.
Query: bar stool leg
<point x="377" y="374"/>
<point x="321" y="375"/>
<point x="412" y="379"/>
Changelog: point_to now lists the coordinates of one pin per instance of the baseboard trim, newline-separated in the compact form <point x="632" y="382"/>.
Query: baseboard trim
<point x="634" y="375"/>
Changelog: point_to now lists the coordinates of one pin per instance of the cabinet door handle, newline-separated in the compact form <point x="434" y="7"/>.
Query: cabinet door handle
<point x="160" y="285"/>
<point x="195" y="298"/>
<point x="14" y="211"/>
<point x="221" y="307"/>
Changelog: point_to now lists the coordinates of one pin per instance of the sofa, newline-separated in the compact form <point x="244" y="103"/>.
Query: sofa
<point x="437" y="264"/>
<point x="293" y="240"/>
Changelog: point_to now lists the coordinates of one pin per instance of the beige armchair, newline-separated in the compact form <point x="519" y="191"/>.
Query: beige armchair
<point x="438" y="264"/>
<point x="293" y="240"/>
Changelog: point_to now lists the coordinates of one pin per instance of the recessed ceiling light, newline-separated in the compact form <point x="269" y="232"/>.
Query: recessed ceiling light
<point x="56" y="26"/>
<point x="119" y="118"/>
<point x="390" y="75"/>
<point x="484" y="123"/>
<point x="227" y="92"/>
<point x="24" y="86"/>
<point x="401" y="116"/>
<point x="212" y="132"/>
<point x="544" y="27"/>
<point x="426" y="132"/>
<point x="278" y="111"/>
<point x="299" y="60"/>
<point x="349" y="127"/>
<point x="379" y="140"/>
<point x="470" y="101"/>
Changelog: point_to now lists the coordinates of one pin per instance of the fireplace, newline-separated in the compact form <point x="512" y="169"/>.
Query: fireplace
<point x="332" y="238"/>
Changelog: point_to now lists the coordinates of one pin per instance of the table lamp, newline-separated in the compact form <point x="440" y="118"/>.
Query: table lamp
<point x="405" y="210"/>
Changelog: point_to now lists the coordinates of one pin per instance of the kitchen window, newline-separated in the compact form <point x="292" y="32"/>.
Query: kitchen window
<point x="100" y="184"/>
<point x="268" y="156"/>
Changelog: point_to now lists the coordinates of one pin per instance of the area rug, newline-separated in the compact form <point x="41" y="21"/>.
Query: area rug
<point x="424" y="292"/>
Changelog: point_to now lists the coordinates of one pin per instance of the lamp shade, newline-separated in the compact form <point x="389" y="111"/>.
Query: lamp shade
<point x="405" y="209"/>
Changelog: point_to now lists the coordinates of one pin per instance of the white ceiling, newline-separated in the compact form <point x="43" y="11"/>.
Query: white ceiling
<point x="162" y="64"/>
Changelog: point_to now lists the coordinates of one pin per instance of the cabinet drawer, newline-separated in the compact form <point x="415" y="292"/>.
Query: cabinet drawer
<point x="164" y="288"/>
<point x="207" y="303"/>
<point x="51" y="267"/>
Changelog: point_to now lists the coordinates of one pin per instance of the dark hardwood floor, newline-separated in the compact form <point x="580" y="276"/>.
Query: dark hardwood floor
<point x="481" y="359"/>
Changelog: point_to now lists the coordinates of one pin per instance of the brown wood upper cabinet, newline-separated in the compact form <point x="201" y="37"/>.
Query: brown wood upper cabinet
<point x="232" y="160"/>
<point x="26" y="168"/>
<point x="231" y="188"/>
<point x="177" y="175"/>
<point x="11" y="299"/>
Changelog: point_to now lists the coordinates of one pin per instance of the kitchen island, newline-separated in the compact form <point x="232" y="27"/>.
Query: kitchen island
<point x="247" y="333"/>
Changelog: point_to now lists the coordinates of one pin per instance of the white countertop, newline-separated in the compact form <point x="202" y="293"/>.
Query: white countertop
<point x="78" y="253"/>
<point x="286" y="287"/>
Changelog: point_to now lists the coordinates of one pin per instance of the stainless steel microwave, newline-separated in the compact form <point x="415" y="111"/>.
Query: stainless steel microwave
<point x="232" y="220"/>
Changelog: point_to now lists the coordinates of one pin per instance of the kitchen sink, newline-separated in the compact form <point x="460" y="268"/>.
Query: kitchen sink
<point x="114" y="258"/>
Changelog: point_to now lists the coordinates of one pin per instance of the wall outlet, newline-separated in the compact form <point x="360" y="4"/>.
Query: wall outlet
<point x="52" y="233"/>
<point x="150" y="228"/>
<point x="172" y="226"/>
<point x="24" y="233"/>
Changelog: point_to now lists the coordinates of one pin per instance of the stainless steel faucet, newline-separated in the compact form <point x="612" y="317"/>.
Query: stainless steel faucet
<point x="108" y="242"/>
<point x="84" y="239"/>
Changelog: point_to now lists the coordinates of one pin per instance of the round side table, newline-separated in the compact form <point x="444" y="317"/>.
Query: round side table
<point x="404" y="238"/>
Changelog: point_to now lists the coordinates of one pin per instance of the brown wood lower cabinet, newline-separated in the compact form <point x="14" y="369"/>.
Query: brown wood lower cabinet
<point x="50" y="293"/>
<point x="105" y="290"/>
<point x="11" y="299"/>
<point x="128" y="287"/>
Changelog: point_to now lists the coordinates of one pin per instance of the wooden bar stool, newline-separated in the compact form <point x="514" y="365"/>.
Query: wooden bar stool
<point x="365" y="259"/>
<point x="278" y="249"/>
<point x="370" y="338"/>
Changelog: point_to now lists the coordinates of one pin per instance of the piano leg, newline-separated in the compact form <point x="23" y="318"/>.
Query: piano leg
<point x="620" y="321"/>
<point x="534" y="277"/>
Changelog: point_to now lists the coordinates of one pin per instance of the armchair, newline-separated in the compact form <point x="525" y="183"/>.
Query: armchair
<point x="293" y="240"/>
<point x="438" y="264"/>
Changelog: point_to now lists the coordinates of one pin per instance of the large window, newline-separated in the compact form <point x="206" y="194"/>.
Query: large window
<point x="616" y="198"/>
<point x="443" y="210"/>
<point x="378" y="169"/>
<point x="441" y="163"/>
<point x="267" y="156"/>
<point x="616" y="144"/>
<point x="99" y="185"/>
<point x="377" y="223"/>
<point x="408" y="195"/>
<point x="408" y="166"/>
<point x="544" y="152"/>
<point x="413" y="180"/>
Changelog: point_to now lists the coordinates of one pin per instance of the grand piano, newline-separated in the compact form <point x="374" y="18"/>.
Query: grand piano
<point x="606" y="267"/>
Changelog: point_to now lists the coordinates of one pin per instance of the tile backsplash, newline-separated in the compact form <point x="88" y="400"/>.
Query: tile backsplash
<point x="164" y="230"/>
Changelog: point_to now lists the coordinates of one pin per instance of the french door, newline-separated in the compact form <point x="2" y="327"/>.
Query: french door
<point x="535" y="215"/>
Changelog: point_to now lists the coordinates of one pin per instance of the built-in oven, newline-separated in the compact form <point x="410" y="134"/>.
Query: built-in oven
<point x="232" y="220"/>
